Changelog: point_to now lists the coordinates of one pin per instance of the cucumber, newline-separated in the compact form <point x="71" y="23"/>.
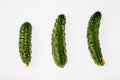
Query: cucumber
<point x="25" y="42"/>
<point x="93" y="38"/>
<point x="58" y="41"/>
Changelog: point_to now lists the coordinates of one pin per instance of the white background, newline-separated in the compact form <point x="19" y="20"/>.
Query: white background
<point x="42" y="14"/>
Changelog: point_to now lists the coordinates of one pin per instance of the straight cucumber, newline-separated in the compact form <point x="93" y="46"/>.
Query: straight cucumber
<point x="58" y="41"/>
<point x="25" y="42"/>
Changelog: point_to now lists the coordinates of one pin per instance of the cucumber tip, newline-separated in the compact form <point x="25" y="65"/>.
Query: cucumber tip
<point x="27" y="65"/>
<point x="103" y="62"/>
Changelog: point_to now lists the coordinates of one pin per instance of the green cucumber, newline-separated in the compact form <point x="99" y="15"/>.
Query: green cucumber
<point x="93" y="38"/>
<point x="25" y="42"/>
<point x="58" y="41"/>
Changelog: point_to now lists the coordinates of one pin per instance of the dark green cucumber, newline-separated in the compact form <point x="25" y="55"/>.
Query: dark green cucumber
<point x="58" y="41"/>
<point x="93" y="38"/>
<point x="25" y="42"/>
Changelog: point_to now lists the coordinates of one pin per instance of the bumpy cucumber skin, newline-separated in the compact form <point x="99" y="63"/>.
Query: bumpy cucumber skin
<point x="25" y="42"/>
<point x="58" y="41"/>
<point x="93" y="38"/>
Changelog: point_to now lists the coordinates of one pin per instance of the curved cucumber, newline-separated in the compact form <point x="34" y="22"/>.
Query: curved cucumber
<point x="25" y="42"/>
<point x="58" y="41"/>
<point x="93" y="39"/>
